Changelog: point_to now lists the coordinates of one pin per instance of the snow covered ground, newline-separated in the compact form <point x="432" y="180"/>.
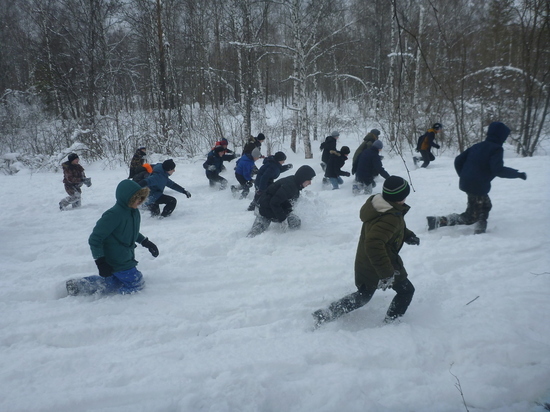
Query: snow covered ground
<point x="224" y="323"/>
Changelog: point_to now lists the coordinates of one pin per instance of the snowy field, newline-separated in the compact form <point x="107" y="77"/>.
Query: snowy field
<point x="224" y="323"/>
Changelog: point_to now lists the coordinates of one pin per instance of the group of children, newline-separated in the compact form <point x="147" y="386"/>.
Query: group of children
<point x="383" y="233"/>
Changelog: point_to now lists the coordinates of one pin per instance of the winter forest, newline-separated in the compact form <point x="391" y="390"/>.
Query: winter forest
<point x="104" y="76"/>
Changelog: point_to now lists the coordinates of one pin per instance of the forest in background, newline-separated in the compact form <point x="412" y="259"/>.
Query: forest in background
<point x="106" y="76"/>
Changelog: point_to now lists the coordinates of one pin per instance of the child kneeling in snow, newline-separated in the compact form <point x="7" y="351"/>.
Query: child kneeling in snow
<point x="112" y="243"/>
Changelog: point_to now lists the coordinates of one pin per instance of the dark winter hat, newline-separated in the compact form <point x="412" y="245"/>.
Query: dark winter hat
<point x="395" y="189"/>
<point x="437" y="126"/>
<point x="224" y="142"/>
<point x="335" y="133"/>
<point x="304" y="173"/>
<point x="345" y="150"/>
<point x="260" y="136"/>
<point x="73" y="156"/>
<point x="375" y="132"/>
<point x="219" y="149"/>
<point x="378" y="144"/>
<point x="279" y="156"/>
<point x="142" y="148"/>
<point x="168" y="165"/>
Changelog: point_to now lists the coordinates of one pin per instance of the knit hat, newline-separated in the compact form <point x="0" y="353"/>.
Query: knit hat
<point x="335" y="133"/>
<point x="142" y="148"/>
<point x="219" y="149"/>
<point x="395" y="189"/>
<point x="224" y="142"/>
<point x="437" y="126"/>
<point x="279" y="156"/>
<point x="168" y="165"/>
<point x="378" y="144"/>
<point x="344" y="150"/>
<point x="260" y="136"/>
<point x="73" y="156"/>
<point x="256" y="154"/>
<point x="375" y="132"/>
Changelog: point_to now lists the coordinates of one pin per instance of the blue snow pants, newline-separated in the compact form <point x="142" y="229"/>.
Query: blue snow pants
<point x="123" y="283"/>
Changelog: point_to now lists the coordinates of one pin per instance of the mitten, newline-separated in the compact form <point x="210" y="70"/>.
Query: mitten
<point x="387" y="282"/>
<point x="436" y="146"/>
<point x="412" y="240"/>
<point x="87" y="181"/>
<point x="186" y="193"/>
<point x="522" y="175"/>
<point x="105" y="270"/>
<point x="249" y="183"/>
<point x="289" y="166"/>
<point x="345" y="174"/>
<point x="151" y="246"/>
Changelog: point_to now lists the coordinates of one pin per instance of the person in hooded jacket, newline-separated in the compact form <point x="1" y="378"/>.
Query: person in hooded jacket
<point x="328" y="145"/>
<point x="73" y="179"/>
<point x="425" y="144"/>
<point x="213" y="166"/>
<point x="476" y="167"/>
<point x="156" y="182"/>
<point x="369" y="165"/>
<point x="333" y="171"/>
<point x="377" y="261"/>
<point x="275" y="205"/>
<point x="271" y="169"/>
<point x="137" y="161"/>
<point x="368" y="140"/>
<point x="113" y="242"/>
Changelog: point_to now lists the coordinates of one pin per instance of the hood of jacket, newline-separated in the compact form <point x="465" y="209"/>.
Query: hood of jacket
<point x="124" y="192"/>
<point x="498" y="132"/>
<point x="302" y="174"/>
<point x="377" y="205"/>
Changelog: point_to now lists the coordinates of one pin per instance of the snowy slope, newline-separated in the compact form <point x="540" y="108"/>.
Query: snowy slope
<point x="224" y="323"/>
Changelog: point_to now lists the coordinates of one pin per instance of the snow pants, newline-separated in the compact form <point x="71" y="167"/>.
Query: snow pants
<point x="477" y="211"/>
<point x="169" y="202"/>
<point x="74" y="198"/>
<point x="124" y="282"/>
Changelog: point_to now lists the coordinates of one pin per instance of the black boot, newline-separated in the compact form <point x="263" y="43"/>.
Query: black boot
<point x="433" y="222"/>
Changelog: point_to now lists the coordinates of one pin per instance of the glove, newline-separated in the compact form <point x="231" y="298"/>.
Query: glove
<point x="211" y="168"/>
<point x="151" y="246"/>
<point x="522" y="175"/>
<point x="436" y="146"/>
<point x="387" y="282"/>
<point x="412" y="240"/>
<point x="88" y="181"/>
<point x="345" y="174"/>
<point x="105" y="270"/>
<point x="249" y="183"/>
<point x="186" y="193"/>
<point x="289" y="166"/>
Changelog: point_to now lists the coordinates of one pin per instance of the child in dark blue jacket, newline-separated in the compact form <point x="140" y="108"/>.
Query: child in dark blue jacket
<point x="477" y="167"/>
<point x="159" y="179"/>
<point x="213" y="166"/>
<point x="271" y="169"/>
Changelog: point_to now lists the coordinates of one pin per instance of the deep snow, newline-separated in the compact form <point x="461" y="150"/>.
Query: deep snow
<point x="224" y="323"/>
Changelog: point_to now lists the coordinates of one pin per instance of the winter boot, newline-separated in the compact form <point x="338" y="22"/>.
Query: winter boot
<point x="481" y="227"/>
<point x="433" y="222"/>
<point x="72" y="287"/>
<point x="415" y="160"/>
<point x="234" y="191"/>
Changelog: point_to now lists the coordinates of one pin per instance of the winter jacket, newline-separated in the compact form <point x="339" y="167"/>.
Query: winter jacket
<point x="369" y="165"/>
<point x="328" y="145"/>
<point x="270" y="170"/>
<point x="214" y="159"/>
<point x="368" y="140"/>
<point x="276" y="202"/>
<point x="158" y="180"/>
<point x="117" y="231"/>
<point x="136" y="162"/>
<point x="381" y="239"/>
<point x="245" y="166"/>
<point x="73" y="174"/>
<point x="481" y="163"/>
<point x="334" y="165"/>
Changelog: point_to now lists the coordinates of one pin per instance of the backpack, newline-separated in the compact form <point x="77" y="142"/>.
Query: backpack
<point x="420" y="141"/>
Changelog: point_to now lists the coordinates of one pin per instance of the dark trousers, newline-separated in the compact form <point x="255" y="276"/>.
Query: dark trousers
<point x="244" y="185"/>
<point x="353" y="301"/>
<point x="169" y="202"/>
<point x="477" y="211"/>
<point x="215" y="179"/>
<point x="427" y="157"/>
